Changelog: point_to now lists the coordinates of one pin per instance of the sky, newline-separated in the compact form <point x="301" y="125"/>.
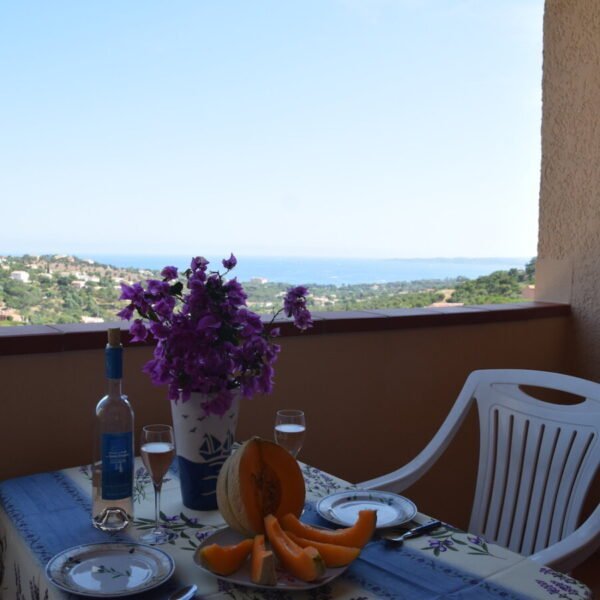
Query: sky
<point x="350" y="128"/>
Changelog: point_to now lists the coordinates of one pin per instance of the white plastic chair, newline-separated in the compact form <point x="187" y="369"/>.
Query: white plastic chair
<point x="537" y="461"/>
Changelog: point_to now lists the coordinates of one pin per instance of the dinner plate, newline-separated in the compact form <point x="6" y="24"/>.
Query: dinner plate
<point x="285" y="581"/>
<point x="109" y="570"/>
<point x="342" y="508"/>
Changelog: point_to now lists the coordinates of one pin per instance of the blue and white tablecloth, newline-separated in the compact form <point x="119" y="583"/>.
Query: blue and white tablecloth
<point x="41" y="515"/>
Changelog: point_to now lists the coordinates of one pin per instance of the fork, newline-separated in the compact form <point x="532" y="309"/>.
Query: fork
<point x="414" y="532"/>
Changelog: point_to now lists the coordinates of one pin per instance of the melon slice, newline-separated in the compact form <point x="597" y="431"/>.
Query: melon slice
<point x="262" y="570"/>
<point x="224" y="560"/>
<point x="333" y="555"/>
<point x="304" y="563"/>
<point x="355" y="537"/>
<point x="258" y="479"/>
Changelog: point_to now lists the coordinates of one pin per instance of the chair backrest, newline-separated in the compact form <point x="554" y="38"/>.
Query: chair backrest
<point x="537" y="459"/>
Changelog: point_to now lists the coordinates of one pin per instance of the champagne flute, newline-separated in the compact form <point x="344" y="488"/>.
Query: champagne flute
<point x="290" y="429"/>
<point x="158" y="451"/>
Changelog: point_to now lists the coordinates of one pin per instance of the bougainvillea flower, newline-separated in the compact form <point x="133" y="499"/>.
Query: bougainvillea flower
<point x="208" y="341"/>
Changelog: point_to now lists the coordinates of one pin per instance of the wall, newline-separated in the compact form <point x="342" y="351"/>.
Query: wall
<point x="372" y="400"/>
<point x="569" y="227"/>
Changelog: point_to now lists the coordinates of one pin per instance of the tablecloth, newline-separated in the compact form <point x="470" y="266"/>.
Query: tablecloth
<point x="41" y="515"/>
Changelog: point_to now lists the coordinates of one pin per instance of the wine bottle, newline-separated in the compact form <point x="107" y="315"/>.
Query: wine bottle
<point x="112" y="470"/>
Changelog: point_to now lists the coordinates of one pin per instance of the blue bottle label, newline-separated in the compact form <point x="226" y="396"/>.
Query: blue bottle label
<point x="114" y="362"/>
<point x="117" y="465"/>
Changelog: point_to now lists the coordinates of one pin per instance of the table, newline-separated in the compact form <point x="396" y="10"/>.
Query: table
<point x="43" y="514"/>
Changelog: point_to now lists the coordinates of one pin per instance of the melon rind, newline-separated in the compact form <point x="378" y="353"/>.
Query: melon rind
<point x="262" y="570"/>
<point x="224" y="494"/>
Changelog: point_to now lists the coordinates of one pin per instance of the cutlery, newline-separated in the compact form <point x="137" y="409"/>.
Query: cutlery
<point x="185" y="593"/>
<point x="414" y="532"/>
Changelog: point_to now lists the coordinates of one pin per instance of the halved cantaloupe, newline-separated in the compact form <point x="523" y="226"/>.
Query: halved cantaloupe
<point x="262" y="570"/>
<point x="333" y="555"/>
<point x="224" y="560"/>
<point x="355" y="537"/>
<point x="304" y="563"/>
<point x="258" y="479"/>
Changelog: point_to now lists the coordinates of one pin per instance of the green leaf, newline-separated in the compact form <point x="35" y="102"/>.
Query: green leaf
<point x="176" y="288"/>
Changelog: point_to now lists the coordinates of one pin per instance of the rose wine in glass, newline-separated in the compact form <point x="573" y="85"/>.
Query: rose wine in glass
<point x="290" y="430"/>
<point x="158" y="451"/>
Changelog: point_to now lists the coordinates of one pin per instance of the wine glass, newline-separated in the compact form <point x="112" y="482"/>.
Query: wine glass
<point x="290" y="429"/>
<point x="158" y="451"/>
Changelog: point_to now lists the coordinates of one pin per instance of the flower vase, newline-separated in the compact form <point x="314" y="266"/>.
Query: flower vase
<point x="202" y="443"/>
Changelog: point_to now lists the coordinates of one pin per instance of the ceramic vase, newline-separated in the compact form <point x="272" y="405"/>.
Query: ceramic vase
<point x="203" y="443"/>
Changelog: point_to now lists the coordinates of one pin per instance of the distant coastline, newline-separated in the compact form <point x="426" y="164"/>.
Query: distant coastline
<point x="329" y="271"/>
<point x="49" y="289"/>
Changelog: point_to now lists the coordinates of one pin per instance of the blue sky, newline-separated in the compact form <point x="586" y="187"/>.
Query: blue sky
<point x="376" y="128"/>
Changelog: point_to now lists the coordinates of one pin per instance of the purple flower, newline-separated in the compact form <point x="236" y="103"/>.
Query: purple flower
<point x="476" y="539"/>
<point x="157" y="288"/>
<point x="131" y="292"/>
<point x="207" y="340"/>
<point x="199" y="263"/>
<point x="164" y="307"/>
<point x="126" y="313"/>
<point x="138" y="331"/>
<point x="169" y="273"/>
<point x="202" y="535"/>
<point x="230" y="262"/>
<point x="172" y="519"/>
<point x="441" y="545"/>
<point x="294" y="305"/>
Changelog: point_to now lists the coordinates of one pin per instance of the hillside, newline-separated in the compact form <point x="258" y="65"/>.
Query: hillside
<point x="66" y="289"/>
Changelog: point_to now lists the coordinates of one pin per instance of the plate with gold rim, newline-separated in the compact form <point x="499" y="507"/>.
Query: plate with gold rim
<point x="109" y="570"/>
<point x="227" y="536"/>
<point x="342" y="508"/>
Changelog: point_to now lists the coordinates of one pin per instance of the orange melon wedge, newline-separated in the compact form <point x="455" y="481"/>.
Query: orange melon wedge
<point x="333" y="555"/>
<point x="356" y="536"/>
<point x="224" y="560"/>
<point x="304" y="563"/>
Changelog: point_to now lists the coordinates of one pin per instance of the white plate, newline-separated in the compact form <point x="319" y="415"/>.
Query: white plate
<point x="109" y="570"/>
<point x="285" y="581"/>
<point x="342" y="508"/>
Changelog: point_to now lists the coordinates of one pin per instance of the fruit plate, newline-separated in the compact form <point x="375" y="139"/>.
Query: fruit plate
<point x="109" y="570"/>
<point x="285" y="581"/>
<point x="342" y="508"/>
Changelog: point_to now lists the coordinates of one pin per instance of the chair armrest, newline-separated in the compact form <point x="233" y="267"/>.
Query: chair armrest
<point x="575" y="548"/>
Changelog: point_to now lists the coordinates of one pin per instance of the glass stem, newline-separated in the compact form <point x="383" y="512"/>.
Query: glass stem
<point x="157" y="504"/>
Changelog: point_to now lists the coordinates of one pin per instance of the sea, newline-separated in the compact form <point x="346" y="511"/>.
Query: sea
<point x="329" y="271"/>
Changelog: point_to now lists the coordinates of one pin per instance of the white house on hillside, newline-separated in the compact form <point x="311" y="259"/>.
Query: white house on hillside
<point x="22" y="276"/>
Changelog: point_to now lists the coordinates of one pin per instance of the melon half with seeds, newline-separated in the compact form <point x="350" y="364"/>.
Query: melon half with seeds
<point x="259" y="479"/>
